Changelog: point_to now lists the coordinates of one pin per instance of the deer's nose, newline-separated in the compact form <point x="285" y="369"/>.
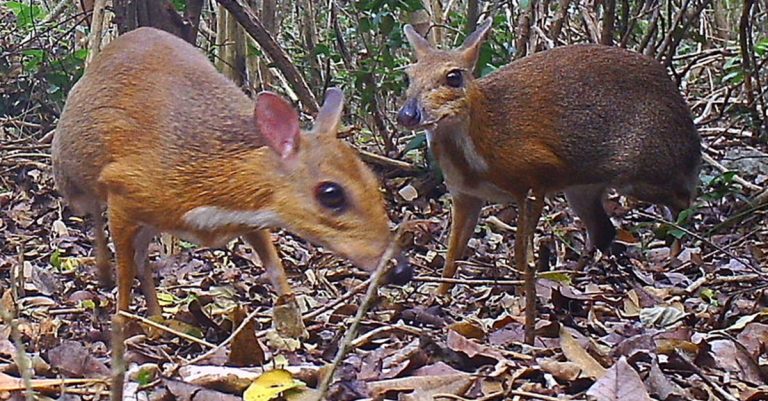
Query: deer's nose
<point x="409" y="115"/>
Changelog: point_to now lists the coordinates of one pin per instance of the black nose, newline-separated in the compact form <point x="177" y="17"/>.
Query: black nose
<point x="401" y="273"/>
<point x="409" y="115"/>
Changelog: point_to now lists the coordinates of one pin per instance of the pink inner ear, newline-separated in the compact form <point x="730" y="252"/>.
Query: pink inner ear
<point x="278" y="123"/>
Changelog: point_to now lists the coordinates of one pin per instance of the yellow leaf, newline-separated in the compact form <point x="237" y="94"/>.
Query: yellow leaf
<point x="270" y="384"/>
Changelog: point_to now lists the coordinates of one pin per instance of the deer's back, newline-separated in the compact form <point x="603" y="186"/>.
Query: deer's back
<point x="604" y="111"/>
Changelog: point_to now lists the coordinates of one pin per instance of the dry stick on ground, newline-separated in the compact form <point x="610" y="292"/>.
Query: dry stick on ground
<point x="119" y="367"/>
<point x="22" y="360"/>
<point x="365" y="304"/>
<point x="501" y="395"/>
<point x="258" y="32"/>
<point x="722" y="394"/>
<point x="470" y="282"/>
<point x="166" y="328"/>
<point x="714" y="163"/>
<point x="351" y="293"/>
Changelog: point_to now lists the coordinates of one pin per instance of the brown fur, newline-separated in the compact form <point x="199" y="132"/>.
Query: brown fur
<point x="153" y="131"/>
<point x="576" y="118"/>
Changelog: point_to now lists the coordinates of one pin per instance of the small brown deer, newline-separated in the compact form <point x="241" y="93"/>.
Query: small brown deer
<point x="156" y="135"/>
<point x="578" y="119"/>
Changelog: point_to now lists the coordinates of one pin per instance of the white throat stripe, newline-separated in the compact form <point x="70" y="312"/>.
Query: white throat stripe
<point x="209" y="218"/>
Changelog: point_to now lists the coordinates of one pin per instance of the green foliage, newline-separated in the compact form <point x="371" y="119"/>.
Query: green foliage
<point x="734" y="74"/>
<point x="145" y="376"/>
<point x="55" y="259"/>
<point x="26" y="15"/>
<point x="719" y="187"/>
<point x="181" y="5"/>
<point x="39" y="73"/>
<point x="761" y="47"/>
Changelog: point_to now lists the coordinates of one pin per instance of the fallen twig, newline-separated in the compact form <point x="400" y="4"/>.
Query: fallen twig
<point x="365" y="304"/>
<point x="224" y="343"/>
<point x="351" y="293"/>
<point x="430" y="279"/>
<point x="167" y="329"/>
<point x="707" y="158"/>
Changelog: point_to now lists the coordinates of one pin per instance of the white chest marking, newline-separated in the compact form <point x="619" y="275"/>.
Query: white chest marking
<point x="475" y="160"/>
<point x="210" y="218"/>
<point x="454" y="178"/>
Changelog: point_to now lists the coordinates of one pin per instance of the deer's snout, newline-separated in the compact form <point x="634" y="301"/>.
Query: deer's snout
<point x="409" y="115"/>
<point x="401" y="273"/>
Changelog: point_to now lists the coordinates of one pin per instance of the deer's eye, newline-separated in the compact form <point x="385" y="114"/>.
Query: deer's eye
<point x="454" y="79"/>
<point x="331" y="195"/>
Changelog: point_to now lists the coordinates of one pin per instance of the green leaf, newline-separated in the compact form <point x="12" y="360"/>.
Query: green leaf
<point x="411" y="5"/>
<point x="56" y="259"/>
<point x="735" y="77"/>
<point x="387" y="24"/>
<point x="525" y="4"/>
<point x="677" y="233"/>
<point x="418" y="142"/>
<point x="165" y="299"/>
<point x="181" y="5"/>
<point x="761" y="47"/>
<point x="709" y="295"/>
<point x="144" y="377"/>
<point x="26" y="15"/>
<point x="88" y="304"/>
<point x="560" y="277"/>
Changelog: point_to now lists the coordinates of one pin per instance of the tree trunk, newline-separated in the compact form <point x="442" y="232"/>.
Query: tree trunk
<point x="306" y="8"/>
<point x="160" y="14"/>
<point x="609" y="15"/>
<point x="524" y="22"/>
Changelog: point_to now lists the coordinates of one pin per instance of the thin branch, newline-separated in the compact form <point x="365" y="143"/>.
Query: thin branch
<point x="272" y="49"/>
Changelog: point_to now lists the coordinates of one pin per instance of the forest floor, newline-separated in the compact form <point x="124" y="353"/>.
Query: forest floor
<point x="694" y="326"/>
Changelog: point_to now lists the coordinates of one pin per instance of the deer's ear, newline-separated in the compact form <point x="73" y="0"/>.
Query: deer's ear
<point x="329" y="116"/>
<point x="470" y="49"/>
<point x="278" y="123"/>
<point x="420" y="44"/>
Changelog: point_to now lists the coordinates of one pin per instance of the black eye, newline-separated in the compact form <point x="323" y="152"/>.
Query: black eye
<point x="331" y="195"/>
<point x="454" y="79"/>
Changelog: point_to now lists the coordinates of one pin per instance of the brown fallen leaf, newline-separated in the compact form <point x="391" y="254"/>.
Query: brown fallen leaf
<point x="246" y="349"/>
<point x="732" y="358"/>
<point x="459" y="343"/>
<point x="564" y="371"/>
<point x="73" y="359"/>
<point x="620" y="382"/>
<point x="578" y="355"/>
<point x="754" y="337"/>
<point x="660" y="385"/>
<point x="423" y="388"/>
<point x="469" y="330"/>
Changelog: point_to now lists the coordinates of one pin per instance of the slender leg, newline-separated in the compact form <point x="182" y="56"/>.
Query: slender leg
<point x="102" y="251"/>
<point x="528" y="218"/>
<point x="123" y="234"/>
<point x="587" y="202"/>
<point x="144" y="270"/>
<point x="286" y="315"/>
<point x="464" y="215"/>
